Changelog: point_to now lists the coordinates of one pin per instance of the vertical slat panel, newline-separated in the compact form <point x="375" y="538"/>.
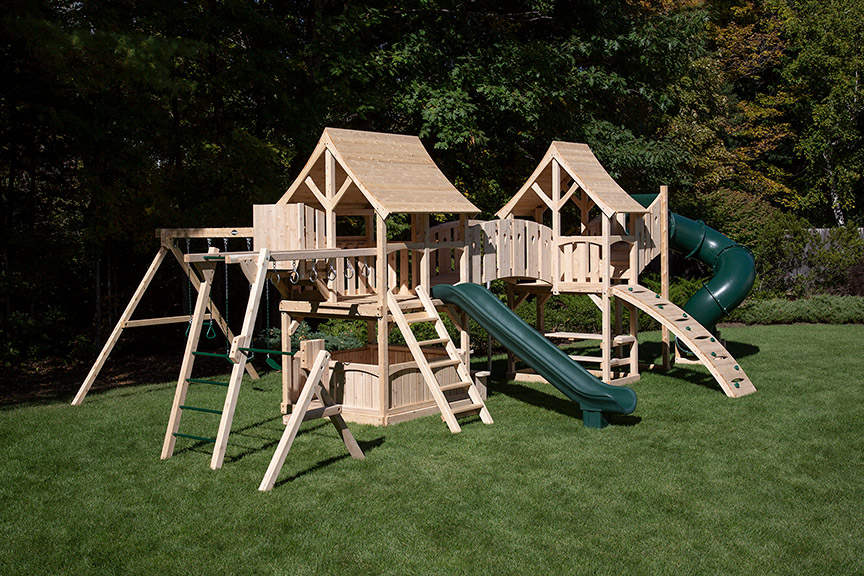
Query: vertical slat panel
<point x="519" y="248"/>
<point x="491" y="243"/>
<point x="404" y="271"/>
<point x="567" y="262"/>
<point x="505" y="267"/>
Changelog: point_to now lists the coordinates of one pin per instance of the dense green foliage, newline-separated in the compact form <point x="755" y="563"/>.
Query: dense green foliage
<point x="692" y="483"/>
<point x="121" y="117"/>
<point x="824" y="308"/>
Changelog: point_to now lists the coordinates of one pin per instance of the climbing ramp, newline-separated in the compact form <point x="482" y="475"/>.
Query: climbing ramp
<point x="700" y="341"/>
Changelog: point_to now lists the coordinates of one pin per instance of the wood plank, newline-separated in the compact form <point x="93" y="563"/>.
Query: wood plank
<point x="243" y="340"/>
<point x="167" y="234"/>
<point x="160" y="321"/>
<point x="290" y="433"/>
<point x="708" y="349"/>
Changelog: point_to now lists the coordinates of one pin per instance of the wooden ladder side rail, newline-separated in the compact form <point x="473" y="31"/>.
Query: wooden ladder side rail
<point x="313" y="388"/>
<point x="461" y="370"/>
<point x="243" y="340"/>
<point x="118" y="329"/>
<point x="208" y="271"/>
<point x="422" y="363"/>
<point x="214" y="312"/>
<point x="711" y="353"/>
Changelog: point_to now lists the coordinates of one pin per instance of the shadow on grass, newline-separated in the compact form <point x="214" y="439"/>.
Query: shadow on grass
<point x="269" y="441"/>
<point x="367" y="446"/>
<point x="554" y="403"/>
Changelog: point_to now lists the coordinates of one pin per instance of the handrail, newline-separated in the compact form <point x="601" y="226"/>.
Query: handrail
<point x="204" y="233"/>
<point x="598" y="240"/>
<point x="286" y="255"/>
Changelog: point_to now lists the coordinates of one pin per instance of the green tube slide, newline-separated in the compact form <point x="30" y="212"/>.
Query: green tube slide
<point x="593" y="396"/>
<point x="732" y="264"/>
<point x="734" y="269"/>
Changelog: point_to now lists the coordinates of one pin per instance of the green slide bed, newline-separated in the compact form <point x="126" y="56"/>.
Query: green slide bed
<point x="593" y="396"/>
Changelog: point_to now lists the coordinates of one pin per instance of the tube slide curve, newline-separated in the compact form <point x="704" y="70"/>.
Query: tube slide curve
<point x="593" y="396"/>
<point x="733" y="266"/>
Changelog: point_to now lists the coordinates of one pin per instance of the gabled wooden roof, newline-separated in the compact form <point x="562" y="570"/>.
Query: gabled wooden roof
<point x="579" y="163"/>
<point x="391" y="173"/>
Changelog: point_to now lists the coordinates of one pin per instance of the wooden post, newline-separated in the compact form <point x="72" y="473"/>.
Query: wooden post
<point x="556" y="225"/>
<point x="464" y="263"/>
<point x="426" y="265"/>
<point x="330" y="214"/>
<point x="606" y="345"/>
<point x="664" y="265"/>
<point x="290" y="372"/>
<point x="383" y="327"/>
<point x="118" y="329"/>
<point x="511" y="358"/>
<point x="243" y="340"/>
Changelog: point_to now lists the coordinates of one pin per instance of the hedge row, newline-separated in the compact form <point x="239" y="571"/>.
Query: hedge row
<point x="822" y="309"/>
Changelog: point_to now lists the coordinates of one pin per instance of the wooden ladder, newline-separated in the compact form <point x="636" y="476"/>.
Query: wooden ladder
<point x="449" y="410"/>
<point x="725" y="369"/>
<point x="237" y="355"/>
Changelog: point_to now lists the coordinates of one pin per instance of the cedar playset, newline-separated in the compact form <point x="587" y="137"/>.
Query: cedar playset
<point x="570" y="229"/>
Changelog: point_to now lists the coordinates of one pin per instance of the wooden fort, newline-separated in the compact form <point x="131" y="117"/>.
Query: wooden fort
<point x="353" y="238"/>
<point x="357" y="180"/>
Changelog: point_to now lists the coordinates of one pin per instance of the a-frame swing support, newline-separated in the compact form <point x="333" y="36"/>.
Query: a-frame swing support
<point x="126" y="321"/>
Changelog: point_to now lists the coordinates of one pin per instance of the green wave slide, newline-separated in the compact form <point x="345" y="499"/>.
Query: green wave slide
<point x="593" y="396"/>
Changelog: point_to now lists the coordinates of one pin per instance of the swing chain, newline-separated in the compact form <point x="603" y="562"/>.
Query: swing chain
<point x="313" y="274"/>
<point x="294" y="276"/>
<point x="349" y="270"/>
<point x="331" y="273"/>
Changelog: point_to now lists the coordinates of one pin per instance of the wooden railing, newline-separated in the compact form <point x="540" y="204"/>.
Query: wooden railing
<point x="509" y="249"/>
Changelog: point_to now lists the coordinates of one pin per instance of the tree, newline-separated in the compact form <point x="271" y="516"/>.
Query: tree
<point x="826" y="75"/>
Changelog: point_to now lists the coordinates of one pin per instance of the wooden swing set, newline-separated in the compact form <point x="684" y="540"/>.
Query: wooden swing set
<point x="319" y="273"/>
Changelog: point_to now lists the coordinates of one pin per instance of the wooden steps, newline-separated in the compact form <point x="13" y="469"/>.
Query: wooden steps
<point x="449" y="410"/>
<point x="706" y="347"/>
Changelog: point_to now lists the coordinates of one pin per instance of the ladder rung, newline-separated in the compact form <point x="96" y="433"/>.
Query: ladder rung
<point x="443" y="363"/>
<point x="197" y="409"/>
<point x="466" y="408"/>
<point x="419" y="317"/>
<point x="455" y="386"/>
<point x="210" y="354"/>
<point x="265" y="351"/>
<point x="190" y="436"/>
<point x="433" y="341"/>
<point x="200" y="381"/>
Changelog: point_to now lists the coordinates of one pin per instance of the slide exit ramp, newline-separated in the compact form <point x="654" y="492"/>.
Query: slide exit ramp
<point x="593" y="396"/>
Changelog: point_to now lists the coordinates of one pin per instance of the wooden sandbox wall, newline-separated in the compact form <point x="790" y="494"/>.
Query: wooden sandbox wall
<point x="354" y="383"/>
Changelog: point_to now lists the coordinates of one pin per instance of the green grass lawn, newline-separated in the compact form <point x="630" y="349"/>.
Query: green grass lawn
<point x="693" y="483"/>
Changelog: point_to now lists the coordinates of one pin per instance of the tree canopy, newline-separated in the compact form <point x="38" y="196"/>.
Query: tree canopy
<point x="121" y="117"/>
